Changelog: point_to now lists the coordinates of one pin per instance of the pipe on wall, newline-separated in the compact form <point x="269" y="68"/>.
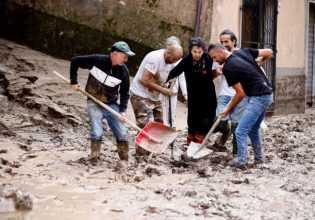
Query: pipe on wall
<point x="198" y="18"/>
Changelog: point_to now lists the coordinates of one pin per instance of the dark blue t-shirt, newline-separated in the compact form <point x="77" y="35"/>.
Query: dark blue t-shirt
<point x="240" y="68"/>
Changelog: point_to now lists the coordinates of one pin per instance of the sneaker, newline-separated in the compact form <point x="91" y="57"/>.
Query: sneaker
<point x="219" y="147"/>
<point x="240" y="166"/>
<point x="256" y="162"/>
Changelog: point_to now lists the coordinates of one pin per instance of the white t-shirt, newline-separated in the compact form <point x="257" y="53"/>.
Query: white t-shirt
<point x="225" y="89"/>
<point x="153" y="62"/>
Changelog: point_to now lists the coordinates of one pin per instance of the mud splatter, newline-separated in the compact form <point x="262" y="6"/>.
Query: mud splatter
<point x="44" y="150"/>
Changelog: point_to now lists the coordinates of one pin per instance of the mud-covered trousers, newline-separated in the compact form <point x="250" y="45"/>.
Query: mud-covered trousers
<point x="249" y="125"/>
<point x="97" y="114"/>
<point x="146" y="110"/>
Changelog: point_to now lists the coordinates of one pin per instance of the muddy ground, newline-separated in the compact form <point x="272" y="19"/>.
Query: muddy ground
<point x="44" y="172"/>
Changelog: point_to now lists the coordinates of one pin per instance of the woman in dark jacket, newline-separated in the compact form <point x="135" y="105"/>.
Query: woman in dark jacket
<point x="202" y="102"/>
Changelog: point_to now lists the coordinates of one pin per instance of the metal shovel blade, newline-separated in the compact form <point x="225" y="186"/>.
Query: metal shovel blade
<point x="158" y="131"/>
<point x="194" y="152"/>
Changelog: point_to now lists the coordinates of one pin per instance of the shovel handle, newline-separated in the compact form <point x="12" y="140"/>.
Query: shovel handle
<point x="112" y="111"/>
<point x="215" y="124"/>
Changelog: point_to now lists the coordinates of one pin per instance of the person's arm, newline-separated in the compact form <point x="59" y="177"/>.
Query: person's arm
<point x="182" y="85"/>
<point x="263" y="55"/>
<point x="177" y="70"/>
<point x="217" y="69"/>
<point x="124" y="92"/>
<point x="84" y="62"/>
<point x="239" y="95"/>
<point x="147" y="80"/>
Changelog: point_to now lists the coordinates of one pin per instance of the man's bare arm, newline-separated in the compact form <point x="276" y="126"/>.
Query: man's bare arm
<point x="235" y="100"/>
<point x="147" y="80"/>
<point x="263" y="55"/>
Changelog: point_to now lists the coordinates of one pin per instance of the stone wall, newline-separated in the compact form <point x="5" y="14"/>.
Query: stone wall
<point x="148" y="22"/>
<point x="290" y="91"/>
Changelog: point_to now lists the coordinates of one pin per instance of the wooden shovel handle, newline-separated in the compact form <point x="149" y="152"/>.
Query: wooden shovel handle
<point x="112" y="111"/>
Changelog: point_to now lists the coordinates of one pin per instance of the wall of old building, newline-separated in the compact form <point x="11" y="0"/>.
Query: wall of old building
<point x="148" y="22"/>
<point x="66" y="28"/>
<point x="291" y="47"/>
<point x="226" y="15"/>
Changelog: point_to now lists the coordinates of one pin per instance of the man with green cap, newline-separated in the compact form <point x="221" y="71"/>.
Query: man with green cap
<point x="108" y="81"/>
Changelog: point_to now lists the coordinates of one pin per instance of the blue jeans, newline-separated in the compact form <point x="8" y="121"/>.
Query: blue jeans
<point x="97" y="114"/>
<point x="249" y="126"/>
<point x="236" y="114"/>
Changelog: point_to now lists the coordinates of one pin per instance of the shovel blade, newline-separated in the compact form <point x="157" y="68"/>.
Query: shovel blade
<point x="194" y="147"/>
<point x="158" y="131"/>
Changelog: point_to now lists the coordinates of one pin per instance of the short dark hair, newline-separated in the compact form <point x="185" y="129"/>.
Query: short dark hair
<point x="216" y="46"/>
<point x="232" y="35"/>
<point x="197" y="41"/>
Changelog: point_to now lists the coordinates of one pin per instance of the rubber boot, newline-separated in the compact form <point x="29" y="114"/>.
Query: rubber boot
<point x="225" y="130"/>
<point x="95" y="152"/>
<point x="224" y="137"/>
<point x="141" y="154"/>
<point x="123" y="149"/>
<point x="233" y="129"/>
<point x="219" y="145"/>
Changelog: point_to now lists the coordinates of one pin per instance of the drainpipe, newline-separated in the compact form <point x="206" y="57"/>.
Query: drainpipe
<point x="198" y="15"/>
<point x="240" y="27"/>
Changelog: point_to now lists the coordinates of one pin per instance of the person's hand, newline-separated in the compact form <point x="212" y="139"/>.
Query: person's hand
<point x="74" y="86"/>
<point x="217" y="72"/>
<point x="185" y="99"/>
<point x="170" y="83"/>
<point x="123" y="116"/>
<point x="224" y="113"/>
<point x="260" y="61"/>
<point x="168" y="92"/>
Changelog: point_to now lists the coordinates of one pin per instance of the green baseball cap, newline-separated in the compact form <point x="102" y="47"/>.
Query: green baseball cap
<point x="122" y="46"/>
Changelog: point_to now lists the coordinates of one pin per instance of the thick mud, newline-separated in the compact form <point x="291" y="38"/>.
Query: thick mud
<point x="45" y="171"/>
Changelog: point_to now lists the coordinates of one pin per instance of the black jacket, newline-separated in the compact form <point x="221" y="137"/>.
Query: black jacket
<point x="102" y="90"/>
<point x="201" y="92"/>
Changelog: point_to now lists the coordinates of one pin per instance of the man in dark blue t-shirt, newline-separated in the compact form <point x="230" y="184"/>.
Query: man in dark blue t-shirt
<point x="246" y="77"/>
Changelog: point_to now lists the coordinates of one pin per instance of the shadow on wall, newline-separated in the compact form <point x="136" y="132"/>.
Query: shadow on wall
<point x="59" y="37"/>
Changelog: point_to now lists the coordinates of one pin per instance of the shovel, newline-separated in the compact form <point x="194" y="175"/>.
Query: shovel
<point x="170" y="121"/>
<point x="150" y="137"/>
<point x="196" y="150"/>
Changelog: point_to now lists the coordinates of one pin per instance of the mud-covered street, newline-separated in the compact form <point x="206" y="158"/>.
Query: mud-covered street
<point x="45" y="173"/>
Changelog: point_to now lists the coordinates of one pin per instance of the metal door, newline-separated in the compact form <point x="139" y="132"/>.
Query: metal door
<point x="259" y="30"/>
<point x="310" y="58"/>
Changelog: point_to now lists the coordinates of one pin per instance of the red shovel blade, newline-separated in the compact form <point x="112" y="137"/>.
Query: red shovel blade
<point x="158" y="131"/>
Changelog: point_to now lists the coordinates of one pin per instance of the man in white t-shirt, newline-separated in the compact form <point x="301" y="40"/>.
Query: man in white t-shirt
<point x="148" y="84"/>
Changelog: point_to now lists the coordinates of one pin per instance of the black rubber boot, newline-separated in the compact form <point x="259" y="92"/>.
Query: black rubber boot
<point x="224" y="128"/>
<point x="233" y="128"/>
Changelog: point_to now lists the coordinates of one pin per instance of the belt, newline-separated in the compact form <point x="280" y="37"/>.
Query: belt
<point x="266" y="93"/>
